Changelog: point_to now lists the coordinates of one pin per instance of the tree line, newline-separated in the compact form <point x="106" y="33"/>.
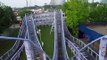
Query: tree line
<point x="7" y="17"/>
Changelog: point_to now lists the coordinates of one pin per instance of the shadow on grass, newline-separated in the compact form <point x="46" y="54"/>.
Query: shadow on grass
<point x="5" y="45"/>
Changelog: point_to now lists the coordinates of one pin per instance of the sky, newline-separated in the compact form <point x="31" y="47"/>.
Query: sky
<point x="22" y="3"/>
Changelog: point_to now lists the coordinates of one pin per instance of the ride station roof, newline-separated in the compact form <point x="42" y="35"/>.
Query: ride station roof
<point x="91" y="34"/>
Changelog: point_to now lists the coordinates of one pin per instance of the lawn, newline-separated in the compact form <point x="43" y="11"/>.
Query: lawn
<point x="70" y="54"/>
<point x="48" y="39"/>
<point x="5" y="45"/>
<point x="23" y="56"/>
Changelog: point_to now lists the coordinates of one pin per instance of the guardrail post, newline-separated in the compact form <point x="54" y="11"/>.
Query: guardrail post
<point x="102" y="48"/>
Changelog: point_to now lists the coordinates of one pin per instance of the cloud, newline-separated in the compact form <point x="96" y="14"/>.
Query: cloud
<point x="22" y="3"/>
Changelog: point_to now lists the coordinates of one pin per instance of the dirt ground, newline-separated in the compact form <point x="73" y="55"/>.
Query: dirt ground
<point x="102" y="29"/>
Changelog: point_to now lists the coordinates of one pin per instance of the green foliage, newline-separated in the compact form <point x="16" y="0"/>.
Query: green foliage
<point x="52" y="7"/>
<point x="77" y="13"/>
<point x="7" y="17"/>
<point x="47" y="7"/>
<point x="23" y="12"/>
<point x="98" y="12"/>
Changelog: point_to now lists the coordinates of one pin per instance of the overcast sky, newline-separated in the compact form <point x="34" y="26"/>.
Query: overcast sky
<point x="22" y="3"/>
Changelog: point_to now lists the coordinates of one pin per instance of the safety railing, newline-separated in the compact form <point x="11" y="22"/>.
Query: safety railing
<point x="88" y="49"/>
<point x="75" y="50"/>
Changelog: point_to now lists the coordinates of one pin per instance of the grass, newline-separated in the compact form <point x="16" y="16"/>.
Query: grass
<point x="5" y="45"/>
<point x="70" y="54"/>
<point x="23" y="56"/>
<point x="48" y="40"/>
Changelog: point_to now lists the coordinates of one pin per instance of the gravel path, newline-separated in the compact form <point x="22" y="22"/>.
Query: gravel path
<point x="102" y="29"/>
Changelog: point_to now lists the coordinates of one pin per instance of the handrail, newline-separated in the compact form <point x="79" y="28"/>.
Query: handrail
<point x="87" y="47"/>
<point x="76" y="49"/>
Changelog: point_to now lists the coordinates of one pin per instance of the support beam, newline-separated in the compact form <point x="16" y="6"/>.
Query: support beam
<point x="102" y="48"/>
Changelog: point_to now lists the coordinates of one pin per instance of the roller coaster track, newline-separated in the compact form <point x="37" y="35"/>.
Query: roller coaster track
<point x="60" y="52"/>
<point x="62" y="37"/>
<point x="32" y="35"/>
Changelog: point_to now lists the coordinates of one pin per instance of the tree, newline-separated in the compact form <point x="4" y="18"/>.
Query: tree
<point x="7" y="17"/>
<point x="23" y="12"/>
<point x="98" y="12"/>
<point x="77" y="12"/>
